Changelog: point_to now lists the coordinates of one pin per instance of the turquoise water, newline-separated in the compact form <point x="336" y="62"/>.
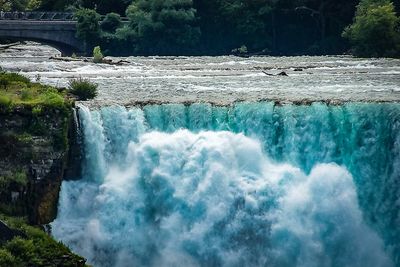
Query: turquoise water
<point x="252" y="184"/>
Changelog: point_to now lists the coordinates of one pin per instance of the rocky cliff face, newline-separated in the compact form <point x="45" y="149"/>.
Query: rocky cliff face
<point x="34" y="153"/>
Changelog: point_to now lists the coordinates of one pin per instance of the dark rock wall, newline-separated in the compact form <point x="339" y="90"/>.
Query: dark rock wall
<point x="34" y="153"/>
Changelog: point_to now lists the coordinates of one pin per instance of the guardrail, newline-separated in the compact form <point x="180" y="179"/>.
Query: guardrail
<point x="37" y="16"/>
<point x="49" y="16"/>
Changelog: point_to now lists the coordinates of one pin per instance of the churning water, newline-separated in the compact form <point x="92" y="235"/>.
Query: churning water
<point x="251" y="184"/>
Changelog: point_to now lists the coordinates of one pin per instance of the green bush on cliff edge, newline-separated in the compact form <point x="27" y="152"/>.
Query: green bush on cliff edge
<point x="84" y="89"/>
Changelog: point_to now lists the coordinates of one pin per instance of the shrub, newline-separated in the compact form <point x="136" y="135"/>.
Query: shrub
<point x="24" y="249"/>
<point x="6" y="258"/>
<point x="97" y="55"/>
<point x="83" y="88"/>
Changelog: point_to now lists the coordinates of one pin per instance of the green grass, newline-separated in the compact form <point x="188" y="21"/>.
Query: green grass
<point x="17" y="90"/>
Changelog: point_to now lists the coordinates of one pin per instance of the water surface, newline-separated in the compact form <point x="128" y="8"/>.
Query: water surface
<point x="219" y="80"/>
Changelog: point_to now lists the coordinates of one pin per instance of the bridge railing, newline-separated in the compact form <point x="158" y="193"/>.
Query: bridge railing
<point x="49" y="16"/>
<point x="63" y="16"/>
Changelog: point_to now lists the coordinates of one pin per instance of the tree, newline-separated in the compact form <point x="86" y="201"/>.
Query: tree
<point x="248" y="20"/>
<point x="106" y="6"/>
<point x="374" y="31"/>
<point x="33" y="4"/>
<point x="111" y="22"/>
<point x="87" y="28"/>
<point x="55" y="5"/>
<point x="163" y="27"/>
<point x="228" y="24"/>
<point x="5" y="5"/>
<point x="329" y="18"/>
<point x="13" y="5"/>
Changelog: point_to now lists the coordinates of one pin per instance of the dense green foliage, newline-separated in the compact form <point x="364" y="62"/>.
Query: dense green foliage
<point x="35" y="248"/>
<point x="163" y="27"/>
<point x="375" y="31"/>
<point x="83" y="88"/>
<point x="88" y="27"/>
<point x="213" y="27"/>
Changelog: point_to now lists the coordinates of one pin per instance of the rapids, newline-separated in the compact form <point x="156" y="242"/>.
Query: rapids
<point x="219" y="80"/>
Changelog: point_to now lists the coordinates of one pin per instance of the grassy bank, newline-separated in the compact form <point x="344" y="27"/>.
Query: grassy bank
<point x="17" y="90"/>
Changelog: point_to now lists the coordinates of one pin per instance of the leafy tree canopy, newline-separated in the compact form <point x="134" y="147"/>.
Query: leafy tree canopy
<point x="111" y="22"/>
<point x="88" y="28"/>
<point x="375" y="31"/>
<point x="164" y="27"/>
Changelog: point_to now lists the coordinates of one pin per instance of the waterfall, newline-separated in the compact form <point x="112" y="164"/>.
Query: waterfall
<point x="252" y="184"/>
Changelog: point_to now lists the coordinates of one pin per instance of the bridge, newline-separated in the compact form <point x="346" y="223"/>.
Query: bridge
<point x="56" y="29"/>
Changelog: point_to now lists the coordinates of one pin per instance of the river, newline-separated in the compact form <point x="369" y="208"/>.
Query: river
<point x="218" y="80"/>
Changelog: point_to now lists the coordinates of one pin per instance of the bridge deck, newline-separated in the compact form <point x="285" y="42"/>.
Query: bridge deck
<point x="55" y="28"/>
<point x="57" y="33"/>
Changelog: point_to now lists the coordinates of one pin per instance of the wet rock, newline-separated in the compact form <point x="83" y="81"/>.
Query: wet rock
<point x="282" y="73"/>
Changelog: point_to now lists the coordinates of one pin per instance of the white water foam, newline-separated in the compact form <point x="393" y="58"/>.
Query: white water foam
<point x="213" y="199"/>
